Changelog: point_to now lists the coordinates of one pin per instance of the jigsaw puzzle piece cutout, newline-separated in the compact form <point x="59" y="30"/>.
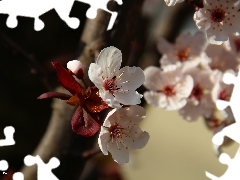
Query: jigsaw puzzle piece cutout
<point x="230" y="131"/>
<point x="95" y="5"/>
<point x="25" y="8"/>
<point x="232" y="173"/>
<point x="229" y="78"/>
<point x="18" y="176"/>
<point x="100" y="4"/>
<point x="8" y="132"/>
<point x="36" y="8"/>
<point x="44" y="170"/>
<point x="63" y="8"/>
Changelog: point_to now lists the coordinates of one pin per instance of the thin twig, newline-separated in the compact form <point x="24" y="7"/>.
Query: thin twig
<point x="90" y="153"/>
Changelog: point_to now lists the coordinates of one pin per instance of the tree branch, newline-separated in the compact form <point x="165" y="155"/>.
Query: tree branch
<point x="59" y="140"/>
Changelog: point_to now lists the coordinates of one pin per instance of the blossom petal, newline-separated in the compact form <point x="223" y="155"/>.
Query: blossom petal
<point x="140" y="138"/>
<point x="67" y="80"/>
<point x="155" y="99"/>
<point x="152" y="78"/>
<point x="119" y="153"/>
<point x="134" y="114"/>
<point x="95" y="75"/>
<point x="109" y="60"/>
<point x="128" y="98"/>
<point x="184" y="88"/>
<point x="109" y="120"/>
<point x="130" y="78"/>
<point x="104" y="138"/>
<point x="216" y="36"/>
<point x="109" y="99"/>
<point x="164" y="46"/>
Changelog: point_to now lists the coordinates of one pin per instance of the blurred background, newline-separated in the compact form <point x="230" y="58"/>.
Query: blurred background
<point x="177" y="149"/>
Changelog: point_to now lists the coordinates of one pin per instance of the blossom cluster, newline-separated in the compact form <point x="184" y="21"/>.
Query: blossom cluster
<point x="189" y="78"/>
<point x="219" y="19"/>
<point x="113" y="88"/>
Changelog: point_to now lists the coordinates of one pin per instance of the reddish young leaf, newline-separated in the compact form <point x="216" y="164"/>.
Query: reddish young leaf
<point x="58" y="95"/>
<point x="83" y="124"/>
<point x="67" y="80"/>
<point x="94" y="102"/>
<point x="74" y="101"/>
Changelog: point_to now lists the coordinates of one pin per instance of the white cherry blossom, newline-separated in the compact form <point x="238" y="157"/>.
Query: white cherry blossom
<point x="218" y="57"/>
<point x="173" y="2"/>
<point x="169" y="88"/>
<point x="219" y="19"/>
<point x="200" y="102"/>
<point x="120" y="133"/>
<point x="116" y="86"/>
<point x="186" y="49"/>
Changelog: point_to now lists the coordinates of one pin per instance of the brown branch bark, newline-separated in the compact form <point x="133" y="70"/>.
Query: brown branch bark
<point x="59" y="140"/>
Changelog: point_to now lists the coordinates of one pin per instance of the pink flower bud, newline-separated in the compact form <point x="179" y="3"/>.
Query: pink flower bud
<point x="75" y="67"/>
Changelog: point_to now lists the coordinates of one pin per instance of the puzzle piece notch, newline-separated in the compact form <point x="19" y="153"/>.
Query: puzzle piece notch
<point x="231" y="131"/>
<point x="232" y="172"/>
<point x="100" y="4"/>
<point x="95" y="5"/>
<point x="44" y="170"/>
<point x="229" y="78"/>
<point x="8" y="132"/>
<point x="36" y="8"/>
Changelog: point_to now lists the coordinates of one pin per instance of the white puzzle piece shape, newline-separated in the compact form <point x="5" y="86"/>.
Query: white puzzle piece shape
<point x="8" y="132"/>
<point x="44" y="170"/>
<point x="232" y="131"/>
<point x="36" y="8"/>
<point x="232" y="173"/>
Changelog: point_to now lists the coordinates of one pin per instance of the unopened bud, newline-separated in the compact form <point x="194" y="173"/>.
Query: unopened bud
<point x="75" y="67"/>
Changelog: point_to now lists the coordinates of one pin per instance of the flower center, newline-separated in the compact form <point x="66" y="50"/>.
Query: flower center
<point x="109" y="85"/>
<point x="169" y="90"/>
<point x="183" y="54"/>
<point x="223" y="95"/>
<point x="197" y="92"/>
<point x="217" y="15"/>
<point x="115" y="131"/>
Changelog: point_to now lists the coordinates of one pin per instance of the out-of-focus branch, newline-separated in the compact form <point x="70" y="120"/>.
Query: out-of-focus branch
<point x="56" y="136"/>
<point x="59" y="140"/>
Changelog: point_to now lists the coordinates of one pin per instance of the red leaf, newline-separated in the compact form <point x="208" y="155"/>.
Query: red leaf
<point x="83" y="124"/>
<point x="67" y="80"/>
<point x="58" y="95"/>
<point x="94" y="102"/>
